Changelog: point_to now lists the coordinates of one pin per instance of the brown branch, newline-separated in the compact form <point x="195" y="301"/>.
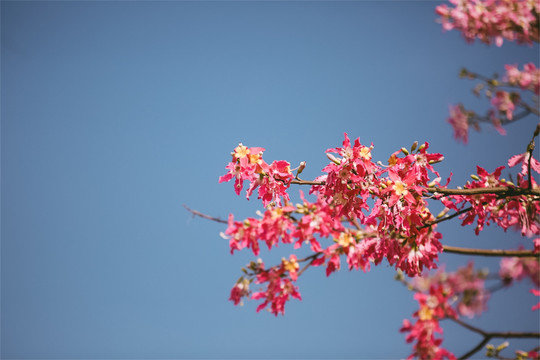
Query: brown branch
<point x="497" y="190"/>
<point x="447" y="248"/>
<point x="476" y="349"/>
<point x="497" y="334"/>
<point x="530" y="149"/>
<point x="489" y="252"/>
<point x="311" y="259"/>
<point x="489" y="335"/>
<point x="529" y="108"/>
<point x="457" y="213"/>
<point x="204" y="216"/>
<point x="306" y="182"/>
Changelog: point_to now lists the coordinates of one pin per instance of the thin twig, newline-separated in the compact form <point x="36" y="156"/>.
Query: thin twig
<point x="497" y="334"/>
<point x="208" y="217"/>
<point x="476" y="349"/>
<point x="311" y="259"/>
<point x="457" y="213"/>
<point x="306" y="182"/>
<point x="530" y="149"/>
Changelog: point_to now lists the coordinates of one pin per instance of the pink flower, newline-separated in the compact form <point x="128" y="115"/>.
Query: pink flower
<point x="273" y="183"/>
<point x="504" y="103"/>
<point x="537" y="293"/>
<point x="278" y="291"/>
<point x="528" y="79"/>
<point x="433" y="307"/>
<point x="458" y="120"/>
<point x="523" y="159"/>
<point x="491" y="21"/>
<point x="517" y="269"/>
<point x="245" y="165"/>
<point x="239" y="290"/>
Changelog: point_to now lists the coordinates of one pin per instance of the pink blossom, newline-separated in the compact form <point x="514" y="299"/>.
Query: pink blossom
<point x="458" y="120"/>
<point x="537" y="293"/>
<point x="492" y="21"/>
<point x="239" y="290"/>
<point x="527" y="79"/>
<point x="504" y="103"/>
<point x="517" y="269"/>
<point x="523" y="159"/>
<point x="279" y="290"/>
<point x="433" y="307"/>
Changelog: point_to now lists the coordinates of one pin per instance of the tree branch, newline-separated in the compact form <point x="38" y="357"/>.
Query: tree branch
<point x="475" y="349"/>
<point x="447" y="248"/>
<point x="489" y="335"/>
<point x="306" y="182"/>
<point x="530" y="149"/>
<point x="311" y="259"/>
<point x="490" y="252"/>
<point x="497" y="190"/>
<point x="204" y="216"/>
<point x="457" y="213"/>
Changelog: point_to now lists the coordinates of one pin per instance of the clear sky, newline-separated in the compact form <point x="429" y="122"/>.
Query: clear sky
<point x="114" y="114"/>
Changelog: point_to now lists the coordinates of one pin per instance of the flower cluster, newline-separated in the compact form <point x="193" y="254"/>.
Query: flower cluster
<point x="373" y="212"/>
<point x="518" y="211"/>
<point x="350" y="178"/>
<point x="466" y="285"/>
<point x="395" y="227"/>
<point x="433" y="307"/>
<point x="492" y="20"/>
<point x="505" y="103"/>
<point x="279" y="288"/>
<point x="275" y="225"/>
<point x="527" y="79"/>
<point x="516" y="269"/>
<point x="397" y="217"/>
<point x="459" y="121"/>
<point x="272" y="180"/>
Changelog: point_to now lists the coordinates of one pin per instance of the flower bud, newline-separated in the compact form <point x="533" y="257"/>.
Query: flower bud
<point x="333" y="159"/>
<point x="503" y="346"/>
<point x="414" y="146"/>
<point x="475" y="177"/>
<point x="405" y="151"/>
<point x="431" y="162"/>
<point x="442" y="213"/>
<point x="301" y="168"/>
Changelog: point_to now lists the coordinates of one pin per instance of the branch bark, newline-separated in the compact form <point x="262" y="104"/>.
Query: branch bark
<point x="489" y="335"/>
<point x="489" y="252"/>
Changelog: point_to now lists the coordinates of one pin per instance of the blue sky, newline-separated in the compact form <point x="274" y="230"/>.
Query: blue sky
<point x="114" y="114"/>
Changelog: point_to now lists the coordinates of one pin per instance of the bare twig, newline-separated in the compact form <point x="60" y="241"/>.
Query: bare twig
<point x="457" y="213"/>
<point x="204" y="216"/>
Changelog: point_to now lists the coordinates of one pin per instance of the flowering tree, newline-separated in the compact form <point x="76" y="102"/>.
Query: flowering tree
<point x="364" y="212"/>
